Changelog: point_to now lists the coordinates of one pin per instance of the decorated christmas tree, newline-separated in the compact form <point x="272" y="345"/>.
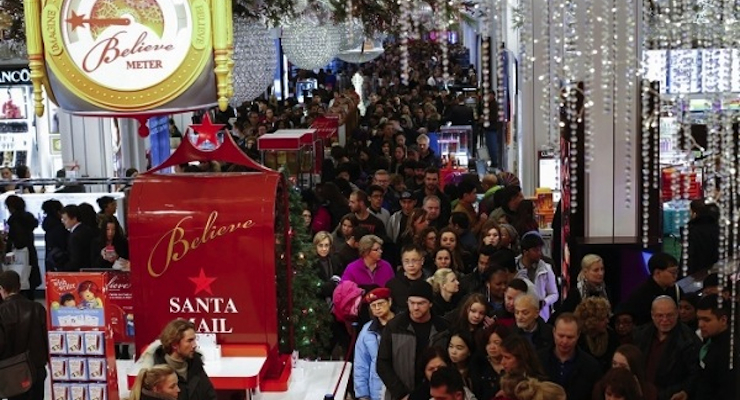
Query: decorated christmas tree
<point x="310" y="318"/>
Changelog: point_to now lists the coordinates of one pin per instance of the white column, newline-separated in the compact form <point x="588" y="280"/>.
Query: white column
<point x="133" y="149"/>
<point x="87" y="140"/>
<point x="607" y="215"/>
<point x="532" y="132"/>
<point x="606" y="212"/>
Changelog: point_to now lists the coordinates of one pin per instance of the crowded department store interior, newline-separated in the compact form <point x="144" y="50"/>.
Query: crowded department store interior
<point x="465" y="211"/>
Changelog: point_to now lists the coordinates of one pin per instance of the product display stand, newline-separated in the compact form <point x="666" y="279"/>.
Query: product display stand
<point x="81" y="335"/>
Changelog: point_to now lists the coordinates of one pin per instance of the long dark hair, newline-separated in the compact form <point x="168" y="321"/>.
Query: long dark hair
<point x="527" y="360"/>
<point x="103" y="228"/>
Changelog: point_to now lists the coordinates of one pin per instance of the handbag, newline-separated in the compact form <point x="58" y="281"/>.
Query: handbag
<point x="16" y="376"/>
<point x="20" y="265"/>
<point x="483" y="149"/>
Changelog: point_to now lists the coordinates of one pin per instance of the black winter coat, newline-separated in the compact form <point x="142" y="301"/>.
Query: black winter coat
<point x="716" y="380"/>
<point x="197" y="386"/>
<point x="20" y="236"/>
<point x="678" y="367"/>
<point x="22" y="328"/>
<point x="580" y="382"/>
<point x="56" y="239"/>
<point x="703" y="243"/>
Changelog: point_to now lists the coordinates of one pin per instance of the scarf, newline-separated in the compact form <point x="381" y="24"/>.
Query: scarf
<point x="587" y="289"/>
<point x="181" y="367"/>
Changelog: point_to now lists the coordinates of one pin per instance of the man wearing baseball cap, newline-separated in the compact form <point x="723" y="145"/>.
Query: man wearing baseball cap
<point x="405" y="338"/>
<point x="397" y="222"/>
<point x="366" y="380"/>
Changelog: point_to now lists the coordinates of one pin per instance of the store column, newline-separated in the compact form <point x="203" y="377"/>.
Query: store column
<point x="133" y="146"/>
<point x="609" y="211"/>
<point x="88" y="142"/>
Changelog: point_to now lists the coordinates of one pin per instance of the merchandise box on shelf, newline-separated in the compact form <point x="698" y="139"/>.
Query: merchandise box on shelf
<point x="88" y="313"/>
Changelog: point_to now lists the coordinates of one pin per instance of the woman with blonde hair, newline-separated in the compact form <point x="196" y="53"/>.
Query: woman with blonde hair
<point x="446" y="289"/>
<point x="156" y="383"/>
<point x="533" y="389"/>
<point x="590" y="283"/>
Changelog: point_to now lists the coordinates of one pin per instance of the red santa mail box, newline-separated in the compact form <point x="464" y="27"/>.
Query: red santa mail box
<point x="206" y="248"/>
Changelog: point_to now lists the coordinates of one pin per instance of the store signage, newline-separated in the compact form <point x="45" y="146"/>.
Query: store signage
<point x="127" y="56"/>
<point x="15" y="76"/>
<point x="207" y="256"/>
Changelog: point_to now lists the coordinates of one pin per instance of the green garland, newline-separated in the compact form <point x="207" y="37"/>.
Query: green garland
<point x="377" y="15"/>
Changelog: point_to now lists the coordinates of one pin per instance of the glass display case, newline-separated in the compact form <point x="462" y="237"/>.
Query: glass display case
<point x="454" y="145"/>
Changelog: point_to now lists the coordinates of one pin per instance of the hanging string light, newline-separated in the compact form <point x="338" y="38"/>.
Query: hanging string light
<point x="588" y="55"/>
<point x="607" y="50"/>
<point x="545" y="78"/>
<point x="404" y="39"/>
<point x="631" y="75"/>
<point x="485" y="59"/>
<point x="442" y="25"/>
<point x="556" y="68"/>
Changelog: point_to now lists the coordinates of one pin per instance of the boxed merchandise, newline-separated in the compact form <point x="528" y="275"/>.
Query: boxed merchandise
<point x="97" y="391"/>
<point x="59" y="369"/>
<point x="60" y="391"/>
<point x="57" y="343"/>
<point x="74" y="343"/>
<point x="96" y="369"/>
<point x="78" y="391"/>
<point x="94" y="343"/>
<point x="77" y="369"/>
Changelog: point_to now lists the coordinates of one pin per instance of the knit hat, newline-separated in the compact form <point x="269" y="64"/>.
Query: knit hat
<point x="377" y="294"/>
<point x="421" y="289"/>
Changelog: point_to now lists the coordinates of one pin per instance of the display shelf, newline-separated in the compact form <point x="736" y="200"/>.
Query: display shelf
<point x="81" y="335"/>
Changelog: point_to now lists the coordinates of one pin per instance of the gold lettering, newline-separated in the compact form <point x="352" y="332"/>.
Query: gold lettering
<point x="175" y="236"/>
<point x="178" y="246"/>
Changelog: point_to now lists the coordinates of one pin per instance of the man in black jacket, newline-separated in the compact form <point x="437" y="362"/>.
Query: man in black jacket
<point x="404" y="339"/>
<point x="80" y="240"/>
<point x="671" y="350"/>
<point x="566" y="364"/>
<point x="662" y="282"/>
<point x="529" y="324"/>
<point x="178" y="351"/>
<point x="23" y="328"/>
<point x="717" y="381"/>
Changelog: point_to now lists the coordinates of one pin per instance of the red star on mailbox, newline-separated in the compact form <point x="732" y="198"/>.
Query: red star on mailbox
<point x="207" y="132"/>
<point x="202" y="283"/>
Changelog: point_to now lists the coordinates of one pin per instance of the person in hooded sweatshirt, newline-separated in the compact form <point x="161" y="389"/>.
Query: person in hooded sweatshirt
<point x="20" y="236"/>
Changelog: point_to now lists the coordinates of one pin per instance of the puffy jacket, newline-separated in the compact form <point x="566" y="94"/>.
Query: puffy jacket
<point x="347" y="297"/>
<point x="397" y="354"/>
<point x="545" y="285"/>
<point x="367" y="381"/>
<point x="197" y="386"/>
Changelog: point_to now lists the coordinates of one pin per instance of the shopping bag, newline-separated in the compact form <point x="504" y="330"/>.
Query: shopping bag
<point x="17" y="261"/>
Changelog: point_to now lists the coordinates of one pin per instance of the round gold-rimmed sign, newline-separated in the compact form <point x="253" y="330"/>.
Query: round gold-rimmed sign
<point x="127" y="55"/>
